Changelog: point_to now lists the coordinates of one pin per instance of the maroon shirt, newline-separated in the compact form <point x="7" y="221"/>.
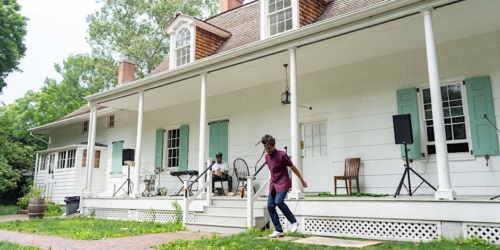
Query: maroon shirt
<point x="277" y="164"/>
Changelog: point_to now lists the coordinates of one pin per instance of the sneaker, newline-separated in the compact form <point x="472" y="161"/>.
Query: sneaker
<point x="276" y="234"/>
<point x="230" y="194"/>
<point x="295" y="227"/>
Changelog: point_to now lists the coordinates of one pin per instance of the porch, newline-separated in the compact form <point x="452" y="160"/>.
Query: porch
<point x="404" y="218"/>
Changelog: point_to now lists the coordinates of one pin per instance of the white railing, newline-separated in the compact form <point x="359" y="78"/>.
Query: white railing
<point x="187" y="187"/>
<point x="251" y="198"/>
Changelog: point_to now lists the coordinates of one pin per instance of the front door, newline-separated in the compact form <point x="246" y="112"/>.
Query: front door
<point x="315" y="167"/>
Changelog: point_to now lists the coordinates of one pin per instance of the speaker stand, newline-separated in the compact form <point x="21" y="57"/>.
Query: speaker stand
<point x="407" y="173"/>
<point x="128" y="181"/>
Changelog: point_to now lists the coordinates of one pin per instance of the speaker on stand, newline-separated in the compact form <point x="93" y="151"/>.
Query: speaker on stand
<point x="127" y="159"/>
<point x="403" y="134"/>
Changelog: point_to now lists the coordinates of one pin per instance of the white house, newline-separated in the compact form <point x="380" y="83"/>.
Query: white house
<point x="357" y="63"/>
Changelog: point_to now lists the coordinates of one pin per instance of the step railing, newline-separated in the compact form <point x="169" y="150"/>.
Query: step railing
<point x="187" y="187"/>
<point x="251" y="198"/>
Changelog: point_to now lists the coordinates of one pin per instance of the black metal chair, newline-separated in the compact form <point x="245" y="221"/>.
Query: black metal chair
<point x="241" y="171"/>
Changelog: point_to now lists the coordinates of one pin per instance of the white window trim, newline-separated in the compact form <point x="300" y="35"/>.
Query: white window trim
<point x="83" y="127"/>
<point x="108" y="120"/>
<point x="165" y="149"/>
<point x="264" y="22"/>
<point x="461" y="156"/>
<point x="303" y="137"/>
<point x="189" y="25"/>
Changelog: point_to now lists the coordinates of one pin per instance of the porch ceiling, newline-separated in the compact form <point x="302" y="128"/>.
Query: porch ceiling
<point x="451" y="22"/>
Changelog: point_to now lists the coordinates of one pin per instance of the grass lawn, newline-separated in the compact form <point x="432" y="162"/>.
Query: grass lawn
<point x="89" y="228"/>
<point x="6" y="210"/>
<point x="248" y="240"/>
<point x="11" y="246"/>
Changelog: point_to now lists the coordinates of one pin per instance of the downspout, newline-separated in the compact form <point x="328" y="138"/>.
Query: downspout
<point x="36" y="159"/>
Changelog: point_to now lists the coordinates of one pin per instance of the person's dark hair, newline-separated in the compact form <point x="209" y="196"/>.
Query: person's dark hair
<point x="268" y="140"/>
<point x="218" y="154"/>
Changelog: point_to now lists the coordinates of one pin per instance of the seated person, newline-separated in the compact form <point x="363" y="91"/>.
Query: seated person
<point x="220" y="172"/>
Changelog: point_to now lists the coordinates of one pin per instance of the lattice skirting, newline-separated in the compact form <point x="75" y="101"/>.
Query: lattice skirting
<point x="486" y="232"/>
<point x="370" y="229"/>
<point x="137" y="215"/>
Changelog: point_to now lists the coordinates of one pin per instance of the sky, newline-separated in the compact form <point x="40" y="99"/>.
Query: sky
<point x="56" y="29"/>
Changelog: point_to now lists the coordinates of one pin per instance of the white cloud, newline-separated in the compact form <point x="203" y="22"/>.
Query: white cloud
<point x="56" y="29"/>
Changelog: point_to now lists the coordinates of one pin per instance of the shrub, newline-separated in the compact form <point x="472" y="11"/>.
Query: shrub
<point x="52" y="209"/>
<point x="24" y="201"/>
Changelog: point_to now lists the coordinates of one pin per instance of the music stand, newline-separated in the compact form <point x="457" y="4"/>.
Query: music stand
<point x="128" y="181"/>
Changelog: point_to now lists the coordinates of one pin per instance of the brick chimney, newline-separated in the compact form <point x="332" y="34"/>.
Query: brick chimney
<point x="226" y="5"/>
<point x="126" y="71"/>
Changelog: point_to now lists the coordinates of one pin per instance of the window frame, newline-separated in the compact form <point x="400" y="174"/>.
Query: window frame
<point x="304" y="138"/>
<point x="110" y="121"/>
<point x="166" y="148"/>
<point x="422" y="120"/>
<point x="189" y="45"/>
<point x="265" y="30"/>
<point x="85" y="126"/>
<point x="97" y="158"/>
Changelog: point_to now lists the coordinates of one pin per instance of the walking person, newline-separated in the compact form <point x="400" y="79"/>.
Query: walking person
<point x="278" y="163"/>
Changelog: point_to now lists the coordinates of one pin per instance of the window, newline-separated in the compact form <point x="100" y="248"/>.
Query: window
<point x="71" y="158"/>
<point x="111" y="121"/>
<point x="183" y="47"/>
<point x="279" y="16"/>
<point x="315" y="140"/>
<point x="454" y="119"/>
<point x="61" y="160"/>
<point x="51" y="163"/>
<point x="97" y="158"/>
<point x="42" y="162"/>
<point x="173" y="142"/>
<point x="85" y="126"/>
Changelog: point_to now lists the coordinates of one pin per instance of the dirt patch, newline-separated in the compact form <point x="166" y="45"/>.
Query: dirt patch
<point x="13" y="217"/>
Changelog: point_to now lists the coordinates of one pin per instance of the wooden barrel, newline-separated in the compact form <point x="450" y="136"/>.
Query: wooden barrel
<point x="36" y="208"/>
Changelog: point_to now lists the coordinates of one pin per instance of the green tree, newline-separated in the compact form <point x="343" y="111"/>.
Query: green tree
<point x="82" y="75"/>
<point x="134" y="29"/>
<point x="12" y="32"/>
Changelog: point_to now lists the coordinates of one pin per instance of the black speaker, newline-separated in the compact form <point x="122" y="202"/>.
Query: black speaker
<point x="128" y="155"/>
<point x="402" y="129"/>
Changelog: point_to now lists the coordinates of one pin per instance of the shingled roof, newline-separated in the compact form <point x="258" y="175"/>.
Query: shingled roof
<point x="244" y="23"/>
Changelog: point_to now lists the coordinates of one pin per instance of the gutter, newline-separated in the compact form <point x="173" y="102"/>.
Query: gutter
<point x="350" y="22"/>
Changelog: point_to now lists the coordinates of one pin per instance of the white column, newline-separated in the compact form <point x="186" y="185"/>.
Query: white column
<point x="91" y="148"/>
<point x="203" y="122"/>
<point x="296" y="192"/>
<point x="444" y="191"/>
<point x="138" y="148"/>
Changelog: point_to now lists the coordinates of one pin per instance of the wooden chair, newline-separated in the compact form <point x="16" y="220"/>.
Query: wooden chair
<point x="351" y="172"/>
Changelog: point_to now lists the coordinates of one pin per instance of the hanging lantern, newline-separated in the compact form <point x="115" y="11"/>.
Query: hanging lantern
<point x="285" y="96"/>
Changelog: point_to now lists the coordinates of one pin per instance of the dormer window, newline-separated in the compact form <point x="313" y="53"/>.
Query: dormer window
<point x="192" y="39"/>
<point x="183" y="47"/>
<point x="279" y="16"/>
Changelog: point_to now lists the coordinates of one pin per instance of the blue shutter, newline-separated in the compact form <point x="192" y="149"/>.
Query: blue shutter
<point x="116" y="161"/>
<point x="183" y="147"/>
<point x="480" y="101"/>
<point x="408" y="104"/>
<point x="159" y="150"/>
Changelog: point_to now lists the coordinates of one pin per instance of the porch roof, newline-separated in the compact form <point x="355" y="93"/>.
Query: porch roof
<point x="379" y="30"/>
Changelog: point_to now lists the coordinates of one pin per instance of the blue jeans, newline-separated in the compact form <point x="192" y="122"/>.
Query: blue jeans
<point x="278" y="200"/>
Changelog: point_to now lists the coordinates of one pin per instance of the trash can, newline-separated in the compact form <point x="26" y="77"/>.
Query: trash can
<point x="72" y="204"/>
